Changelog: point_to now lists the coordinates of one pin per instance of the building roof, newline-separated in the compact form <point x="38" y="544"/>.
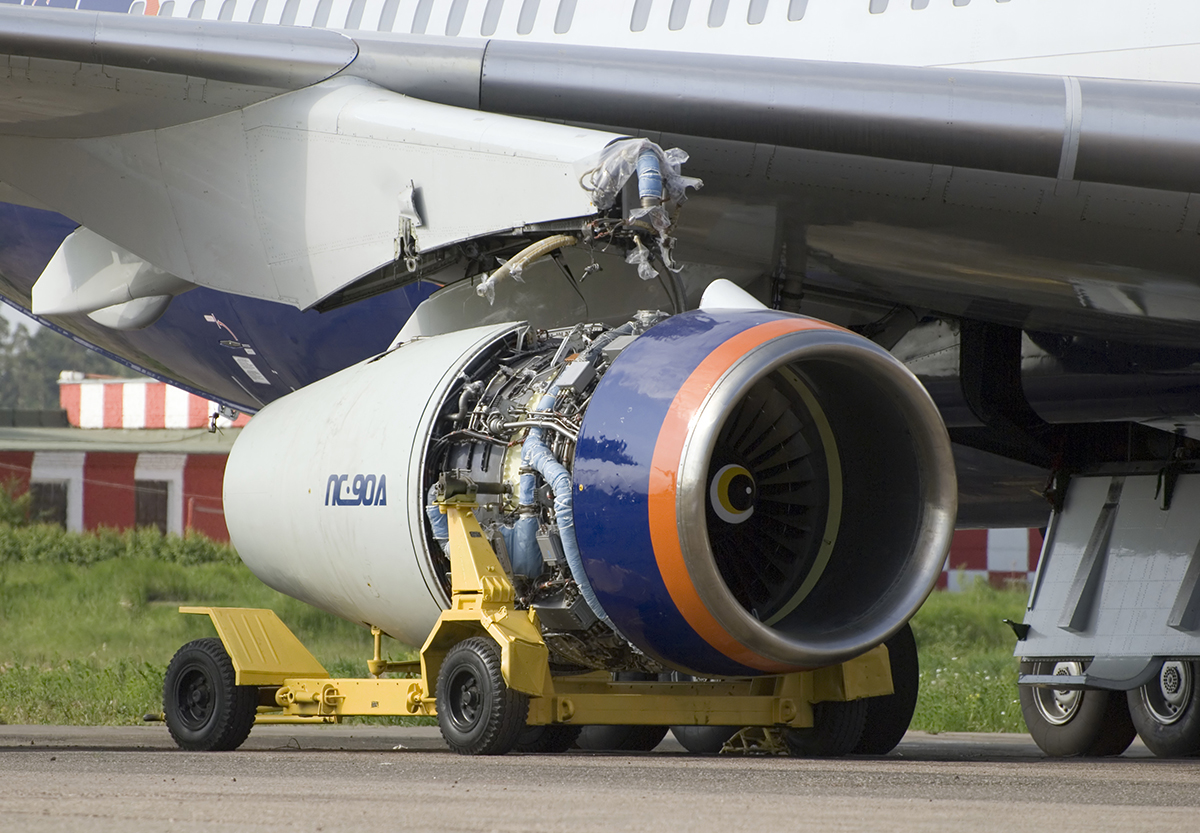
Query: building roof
<point x="129" y="441"/>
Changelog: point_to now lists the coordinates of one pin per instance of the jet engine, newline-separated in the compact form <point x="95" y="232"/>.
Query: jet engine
<point x="721" y="492"/>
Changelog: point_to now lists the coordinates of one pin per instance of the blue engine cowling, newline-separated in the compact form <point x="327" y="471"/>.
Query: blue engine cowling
<point x="758" y="492"/>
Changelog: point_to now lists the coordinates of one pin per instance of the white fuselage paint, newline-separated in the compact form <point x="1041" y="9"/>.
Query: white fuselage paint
<point x="1101" y="38"/>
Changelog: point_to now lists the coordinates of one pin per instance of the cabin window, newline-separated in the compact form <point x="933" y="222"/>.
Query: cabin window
<point x="641" y="15"/>
<point x="717" y="12"/>
<point x="757" y="12"/>
<point x="259" y="11"/>
<point x="354" y="16"/>
<point x="528" y="16"/>
<point x="167" y="9"/>
<point x="48" y="503"/>
<point x="454" y="21"/>
<point x="566" y="13"/>
<point x="387" y="20"/>
<point x="196" y="11"/>
<point x="961" y="2"/>
<point x="227" y="10"/>
<point x="797" y="8"/>
<point x="421" y="17"/>
<point x="878" y="6"/>
<point x="138" y="8"/>
<point x="919" y="4"/>
<point x="679" y="13"/>
<point x="491" y="17"/>
<point x="289" y="13"/>
<point x="321" y="18"/>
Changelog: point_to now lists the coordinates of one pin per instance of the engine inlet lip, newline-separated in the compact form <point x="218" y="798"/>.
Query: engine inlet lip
<point x="939" y="495"/>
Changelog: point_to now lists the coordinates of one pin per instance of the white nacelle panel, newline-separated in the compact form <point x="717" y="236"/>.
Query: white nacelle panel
<point x="296" y="197"/>
<point x="292" y="506"/>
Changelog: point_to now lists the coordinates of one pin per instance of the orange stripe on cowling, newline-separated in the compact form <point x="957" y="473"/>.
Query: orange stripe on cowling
<point x="664" y="473"/>
<point x="151" y="8"/>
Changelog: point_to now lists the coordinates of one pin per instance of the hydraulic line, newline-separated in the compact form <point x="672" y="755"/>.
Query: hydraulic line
<point x="540" y="248"/>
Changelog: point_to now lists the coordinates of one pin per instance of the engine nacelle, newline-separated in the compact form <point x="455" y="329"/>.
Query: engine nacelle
<point x="721" y="492"/>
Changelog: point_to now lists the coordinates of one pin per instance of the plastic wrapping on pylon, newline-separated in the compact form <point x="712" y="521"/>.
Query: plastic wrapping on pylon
<point x="640" y="257"/>
<point x="619" y="161"/>
<point x="487" y="287"/>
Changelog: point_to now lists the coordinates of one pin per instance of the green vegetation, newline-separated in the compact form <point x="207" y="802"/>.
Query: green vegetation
<point x="31" y="361"/>
<point x="968" y="672"/>
<point x="89" y="622"/>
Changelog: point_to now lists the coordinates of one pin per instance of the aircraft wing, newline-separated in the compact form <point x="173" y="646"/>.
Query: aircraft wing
<point x="148" y="108"/>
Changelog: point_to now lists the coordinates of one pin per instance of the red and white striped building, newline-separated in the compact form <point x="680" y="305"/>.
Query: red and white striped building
<point x="106" y="402"/>
<point x="998" y="556"/>
<point x="144" y="456"/>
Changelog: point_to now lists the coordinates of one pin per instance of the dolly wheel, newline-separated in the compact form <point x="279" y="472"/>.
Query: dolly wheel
<point x="205" y="710"/>
<point x="558" y="737"/>
<point x="477" y="712"/>
<point x="888" y="717"/>
<point x="837" y="727"/>
<point x="621" y="738"/>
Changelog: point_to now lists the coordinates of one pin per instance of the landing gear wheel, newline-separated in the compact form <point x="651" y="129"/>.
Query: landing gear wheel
<point x="1166" y="711"/>
<point x="477" y="712"/>
<point x="205" y="710"/>
<point x="621" y="738"/>
<point x="552" y="739"/>
<point x="888" y="717"/>
<point x="1067" y="723"/>
<point x="703" y="740"/>
<point x="837" y="727"/>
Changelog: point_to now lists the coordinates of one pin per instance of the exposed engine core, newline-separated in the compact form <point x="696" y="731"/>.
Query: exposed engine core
<point x="726" y="492"/>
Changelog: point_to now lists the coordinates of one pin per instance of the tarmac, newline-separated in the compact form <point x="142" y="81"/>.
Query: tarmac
<point x="369" y="778"/>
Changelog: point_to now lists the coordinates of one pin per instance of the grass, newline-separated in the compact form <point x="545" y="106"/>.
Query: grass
<point x="968" y="672"/>
<point x="88" y="624"/>
<point x="88" y="643"/>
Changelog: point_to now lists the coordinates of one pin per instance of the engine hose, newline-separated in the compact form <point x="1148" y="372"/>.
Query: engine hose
<point x="540" y="248"/>
<point x="538" y="456"/>
<point x="526" y="556"/>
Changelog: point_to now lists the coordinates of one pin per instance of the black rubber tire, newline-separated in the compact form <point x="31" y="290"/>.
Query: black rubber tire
<point x="621" y="738"/>
<point x="477" y="712"/>
<point x="888" y="717"/>
<point x="703" y="740"/>
<point x="1100" y="728"/>
<point x="625" y="738"/>
<point x="1180" y="739"/>
<point x="205" y="710"/>
<point x="837" y="727"/>
<point x="552" y="739"/>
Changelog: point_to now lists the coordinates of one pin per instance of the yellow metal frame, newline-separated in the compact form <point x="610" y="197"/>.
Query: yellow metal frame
<point x="265" y="653"/>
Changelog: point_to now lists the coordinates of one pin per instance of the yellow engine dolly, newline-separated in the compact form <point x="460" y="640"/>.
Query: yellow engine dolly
<point x="483" y="671"/>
